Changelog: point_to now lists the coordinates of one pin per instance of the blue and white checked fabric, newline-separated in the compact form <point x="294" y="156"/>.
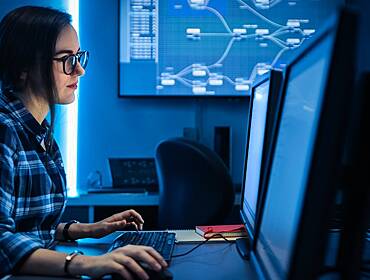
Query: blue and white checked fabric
<point x="32" y="184"/>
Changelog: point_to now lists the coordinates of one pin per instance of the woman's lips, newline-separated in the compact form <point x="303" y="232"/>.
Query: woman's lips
<point x="73" y="86"/>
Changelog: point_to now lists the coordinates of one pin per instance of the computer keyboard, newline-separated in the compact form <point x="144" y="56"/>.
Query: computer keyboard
<point x="162" y="241"/>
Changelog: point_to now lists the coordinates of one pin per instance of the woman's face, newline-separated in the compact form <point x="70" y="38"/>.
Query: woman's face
<point x="67" y="44"/>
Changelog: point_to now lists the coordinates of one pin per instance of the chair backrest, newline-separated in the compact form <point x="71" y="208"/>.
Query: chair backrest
<point x="195" y="186"/>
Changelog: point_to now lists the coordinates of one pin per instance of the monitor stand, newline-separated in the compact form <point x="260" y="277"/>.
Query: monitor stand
<point x="244" y="247"/>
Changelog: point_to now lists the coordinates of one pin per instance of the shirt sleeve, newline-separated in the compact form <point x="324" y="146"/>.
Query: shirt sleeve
<point x="14" y="246"/>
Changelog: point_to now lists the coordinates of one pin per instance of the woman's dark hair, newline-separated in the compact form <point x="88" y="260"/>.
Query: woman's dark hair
<point x="28" y="36"/>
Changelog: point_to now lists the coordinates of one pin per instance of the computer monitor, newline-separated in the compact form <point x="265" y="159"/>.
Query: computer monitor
<point x="306" y="153"/>
<point x="202" y="48"/>
<point x="134" y="173"/>
<point x="265" y="94"/>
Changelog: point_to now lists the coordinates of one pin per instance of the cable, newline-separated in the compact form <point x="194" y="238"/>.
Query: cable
<point x="203" y="242"/>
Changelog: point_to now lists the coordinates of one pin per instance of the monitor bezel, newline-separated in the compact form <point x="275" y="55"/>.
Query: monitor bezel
<point x="274" y="77"/>
<point x="339" y="84"/>
<point x="308" y="249"/>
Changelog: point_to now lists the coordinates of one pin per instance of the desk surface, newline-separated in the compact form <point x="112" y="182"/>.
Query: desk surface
<point x="210" y="261"/>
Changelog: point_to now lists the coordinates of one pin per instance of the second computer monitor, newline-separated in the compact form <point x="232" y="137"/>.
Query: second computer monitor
<point x="262" y="111"/>
<point x="307" y="151"/>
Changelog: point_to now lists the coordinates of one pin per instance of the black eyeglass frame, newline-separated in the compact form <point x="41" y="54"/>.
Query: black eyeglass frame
<point x="77" y="57"/>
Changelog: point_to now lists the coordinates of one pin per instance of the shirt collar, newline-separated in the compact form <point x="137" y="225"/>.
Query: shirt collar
<point x="19" y="112"/>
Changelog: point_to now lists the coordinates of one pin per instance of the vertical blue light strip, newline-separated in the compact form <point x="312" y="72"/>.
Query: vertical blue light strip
<point x="72" y="119"/>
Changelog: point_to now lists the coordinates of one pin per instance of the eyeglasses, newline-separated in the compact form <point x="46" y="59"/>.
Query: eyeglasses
<point x="70" y="61"/>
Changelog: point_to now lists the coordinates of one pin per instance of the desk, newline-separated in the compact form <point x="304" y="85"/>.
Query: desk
<point x="210" y="261"/>
<point x="118" y="199"/>
<point x="112" y="199"/>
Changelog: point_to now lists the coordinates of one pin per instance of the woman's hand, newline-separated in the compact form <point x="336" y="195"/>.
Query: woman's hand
<point x="122" y="261"/>
<point x="115" y="222"/>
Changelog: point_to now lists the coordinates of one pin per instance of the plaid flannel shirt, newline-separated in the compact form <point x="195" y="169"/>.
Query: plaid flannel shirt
<point x="32" y="184"/>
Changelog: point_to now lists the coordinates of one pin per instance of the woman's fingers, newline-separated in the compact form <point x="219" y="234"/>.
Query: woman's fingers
<point x="157" y="256"/>
<point x="145" y="254"/>
<point x="122" y="271"/>
<point x="127" y="261"/>
<point x="136" y="218"/>
<point x="129" y="264"/>
<point x="130" y="216"/>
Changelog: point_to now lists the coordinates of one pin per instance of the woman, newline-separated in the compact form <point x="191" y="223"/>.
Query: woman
<point x="40" y="64"/>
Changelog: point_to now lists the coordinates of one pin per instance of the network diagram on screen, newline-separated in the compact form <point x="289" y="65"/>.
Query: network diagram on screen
<point x="209" y="47"/>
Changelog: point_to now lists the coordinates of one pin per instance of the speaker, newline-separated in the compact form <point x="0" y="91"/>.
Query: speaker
<point x="222" y="144"/>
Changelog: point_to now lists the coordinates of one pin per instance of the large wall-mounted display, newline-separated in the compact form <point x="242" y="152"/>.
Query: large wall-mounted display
<point x="209" y="47"/>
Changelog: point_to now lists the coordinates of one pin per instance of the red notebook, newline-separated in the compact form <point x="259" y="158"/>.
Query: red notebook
<point x="225" y="230"/>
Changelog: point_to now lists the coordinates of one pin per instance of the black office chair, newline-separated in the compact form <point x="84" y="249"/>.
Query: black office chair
<point x="194" y="184"/>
